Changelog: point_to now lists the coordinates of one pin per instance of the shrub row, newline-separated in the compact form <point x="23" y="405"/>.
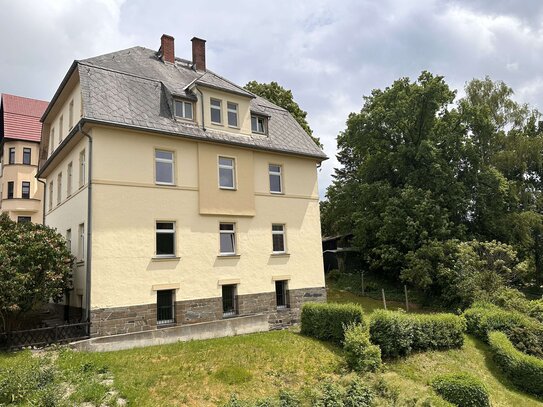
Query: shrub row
<point x="525" y="371"/>
<point x="399" y="334"/>
<point x="462" y="390"/>
<point x="525" y="333"/>
<point x="360" y="354"/>
<point x="327" y="322"/>
<point x="513" y="299"/>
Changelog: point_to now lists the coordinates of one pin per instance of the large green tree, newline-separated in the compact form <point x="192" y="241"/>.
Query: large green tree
<point x="35" y="267"/>
<point x="280" y="96"/>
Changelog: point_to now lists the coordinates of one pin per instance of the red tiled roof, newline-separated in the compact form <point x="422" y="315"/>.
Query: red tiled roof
<point x="21" y="117"/>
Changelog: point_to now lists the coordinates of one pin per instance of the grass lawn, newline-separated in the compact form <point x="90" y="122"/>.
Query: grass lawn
<point x="206" y="373"/>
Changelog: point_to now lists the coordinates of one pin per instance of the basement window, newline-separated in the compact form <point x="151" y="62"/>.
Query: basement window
<point x="165" y="307"/>
<point x="281" y="294"/>
<point x="183" y="109"/>
<point x="229" y="300"/>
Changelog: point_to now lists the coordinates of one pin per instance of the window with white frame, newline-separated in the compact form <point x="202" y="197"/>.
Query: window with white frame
<point x="258" y="124"/>
<point x="51" y="141"/>
<point x="82" y="168"/>
<point x="165" y="239"/>
<point x="276" y="182"/>
<point x="227" y="173"/>
<point x="183" y="109"/>
<point x="59" y="188"/>
<point x="51" y="195"/>
<point x="216" y="116"/>
<point x="25" y="190"/>
<point x="69" y="239"/>
<point x="164" y="167"/>
<point x="71" y="114"/>
<point x="278" y="238"/>
<point x="227" y="237"/>
<point x="60" y="129"/>
<point x="81" y="242"/>
<point x="69" y="172"/>
<point x="232" y="110"/>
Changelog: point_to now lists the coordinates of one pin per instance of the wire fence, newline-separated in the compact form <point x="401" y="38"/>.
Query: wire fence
<point x="40" y="337"/>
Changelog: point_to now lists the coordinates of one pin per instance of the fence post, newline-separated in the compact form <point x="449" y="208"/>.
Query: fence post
<point x="362" y="274"/>
<point x="406" y="299"/>
<point x="384" y="299"/>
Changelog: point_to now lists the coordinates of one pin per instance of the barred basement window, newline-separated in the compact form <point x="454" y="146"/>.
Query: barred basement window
<point x="229" y="300"/>
<point x="281" y="294"/>
<point x="24" y="219"/>
<point x="165" y="307"/>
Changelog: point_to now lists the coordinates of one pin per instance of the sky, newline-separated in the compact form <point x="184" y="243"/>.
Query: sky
<point x="330" y="53"/>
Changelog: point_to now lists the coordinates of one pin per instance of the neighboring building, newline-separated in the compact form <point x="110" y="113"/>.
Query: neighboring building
<point x="20" y="132"/>
<point x="339" y="254"/>
<point x="184" y="197"/>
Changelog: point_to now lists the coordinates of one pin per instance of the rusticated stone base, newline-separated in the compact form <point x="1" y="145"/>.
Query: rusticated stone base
<point x="138" y="318"/>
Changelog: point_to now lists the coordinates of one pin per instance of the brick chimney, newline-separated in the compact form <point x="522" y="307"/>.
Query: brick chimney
<point x="199" y="53"/>
<point x="167" y="48"/>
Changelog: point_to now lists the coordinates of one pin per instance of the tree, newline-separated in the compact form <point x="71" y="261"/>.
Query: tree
<point x="282" y="97"/>
<point x="35" y="267"/>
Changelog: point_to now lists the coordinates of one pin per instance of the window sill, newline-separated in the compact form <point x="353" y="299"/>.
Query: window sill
<point x="282" y="254"/>
<point x="228" y="188"/>
<point x="277" y="193"/>
<point x="165" y="258"/>
<point x="228" y="256"/>
<point x="228" y="316"/>
<point x="164" y="184"/>
<point x="79" y="262"/>
<point x="165" y="325"/>
<point x="234" y="127"/>
<point x="217" y="124"/>
<point x="282" y="309"/>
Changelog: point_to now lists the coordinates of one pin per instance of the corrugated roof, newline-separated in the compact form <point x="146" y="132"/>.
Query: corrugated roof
<point x="133" y="87"/>
<point x="21" y="117"/>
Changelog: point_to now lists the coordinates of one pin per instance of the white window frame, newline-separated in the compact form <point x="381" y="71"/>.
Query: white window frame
<point x="71" y="114"/>
<point x="232" y="110"/>
<point x="275" y="174"/>
<point x="283" y="234"/>
<point x="52" y="141"/>
<point x="51" y="192"/>
<point x="69" y="180"/>
<point x="227" y="167"/>
<point x="166" y="231"/>
<point x="60" y="129"/>
<point x="167" y="161"/>
<point x="264" y="124"/>
<point x="183" y="112"/>
<point x="212" y="107"/>
<point x="228" y="232"/>
<point x="59" y="188"/>
<point x="81" y="242"/>
<point x="82" y="168"/>
<point x="69" y="239"/>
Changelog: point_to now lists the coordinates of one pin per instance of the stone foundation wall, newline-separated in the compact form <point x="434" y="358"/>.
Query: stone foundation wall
<point x="139" y="318"/>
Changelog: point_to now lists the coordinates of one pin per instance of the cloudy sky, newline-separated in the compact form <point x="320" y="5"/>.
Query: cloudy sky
<point x="329" y="52"/>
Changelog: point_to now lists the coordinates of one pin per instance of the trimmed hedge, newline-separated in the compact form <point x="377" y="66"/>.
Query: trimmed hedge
<point x="327" y="322"/>
<point x="399" y="334"/>
<point x="525" y="371"/>
<point x="462" y="390"/>
<point x="525" y="333"/>
<point x="361" y="355"/>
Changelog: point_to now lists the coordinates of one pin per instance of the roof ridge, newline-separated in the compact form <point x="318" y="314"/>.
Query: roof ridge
<point x="23" y="97"/>
<point x="230" y="82"/>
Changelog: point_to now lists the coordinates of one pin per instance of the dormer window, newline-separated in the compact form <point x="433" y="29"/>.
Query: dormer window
<point x="215" y="111"/>
<point x="232" y="114"/>
<point x="183" y="109"/>
<point x="259" y="124"/>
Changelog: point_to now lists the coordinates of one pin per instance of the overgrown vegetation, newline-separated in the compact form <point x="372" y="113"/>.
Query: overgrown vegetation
<point x="360" y="354"/>
<point x="461" y="389"/>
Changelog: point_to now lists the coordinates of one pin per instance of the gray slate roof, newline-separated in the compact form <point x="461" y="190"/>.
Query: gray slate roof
<point x="133" y="87"/>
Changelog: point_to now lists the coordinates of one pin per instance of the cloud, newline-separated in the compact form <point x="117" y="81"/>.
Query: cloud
<point x="330" y="54"/>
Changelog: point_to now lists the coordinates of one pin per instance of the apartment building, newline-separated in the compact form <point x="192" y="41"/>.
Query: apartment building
<point x="185" y="198"/>
<point x="20" y="132"/>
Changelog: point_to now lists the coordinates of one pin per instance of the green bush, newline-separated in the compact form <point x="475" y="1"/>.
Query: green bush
<point x="399" y="334"/>
<point x="525" y="371"/>
<point x="513" y="300"/>
<point x="328" y="321"/>
<point x="525" y="333"/>
<point x="358" y="394"/>
<point x="462" y="390"/>
<point x="331" y="395"/>
<point x="361" y="355"/>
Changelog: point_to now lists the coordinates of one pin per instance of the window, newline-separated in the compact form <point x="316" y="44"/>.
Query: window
<point x="69" y="180"/>
<point x="227" y="176"/>
<point x="227" y="233"/>
<point x="276" y="186"/>
<point x="229" y="300"/>
<point x="25" y="191"/>
<point x="165" y="239"/>
<point x="24" y="219"/>
<point x="51" y="195"/>
<point x="71" y="114"/>
<point x="216" y="111"/>
<point x="59" y="188"/>
<point x="11" y="186"/>
<point x="12" y="155"/>
<point x="278" y="238"/>
<point x="60" y="129"/>
<point x="164" y="307"/>
<point x="81" y="168"/>
<point x="258" y="124"/>
<point x="69" y="239"/>
<point x="52" y="141"/>
<point x="281" y="294"/>
<point x="183" y="109"/>
<point x="232" y="109"/>
<point x="163" y="167"/>
<point x="27" y="156"/>
<point x="81" y="242"/>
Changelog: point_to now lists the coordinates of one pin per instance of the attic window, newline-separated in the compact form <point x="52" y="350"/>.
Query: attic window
<point x="259" y="124"/>
<point x="183" y="109"/>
